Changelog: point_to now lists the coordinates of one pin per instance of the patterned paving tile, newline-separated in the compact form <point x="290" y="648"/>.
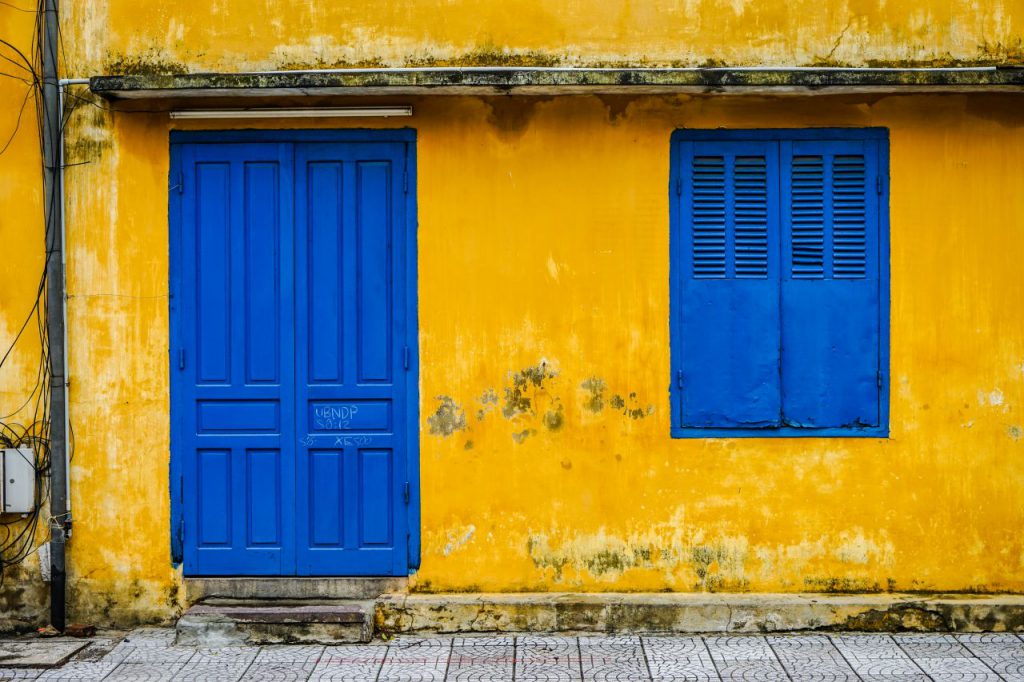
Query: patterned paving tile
<point x="695" y="669"/>
<point x="798" y="646"/>
<point x="825" y="668"/>
<point x="612" y="658"/>
<point x="931" y="646"/>
<point x="236" y="655"/>
<point x="410" y="672"/>
<point x="144" y="672"/>
<point x="153" y="654"/>
<point x="760" y="670"/>
<point x="285" y="653"/>
<point x="349" y="663"/>
<point x="597" y="650"/>
<point x="673" y="648"/>
<point x="506" y="640"/>
<point x="884" y="666"/>
<point x="545" y="650"/>
<point x="547" y="659"/>
<point x="76" y="671"/>
<point x="746" y="648"/>
<point x="868" y="647"/>
<point x="19" y="673"/>
<point x="548" y="672"/>
<point x="1009" y="668"/>
<point x="211" y="672"/>
<point x="279" y="671"/>
<point x="474" y="660"/>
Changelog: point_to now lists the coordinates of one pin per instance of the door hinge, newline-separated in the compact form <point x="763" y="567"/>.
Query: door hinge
<point x="405" y="492"/>
<point x="181" y="358"/>
<point x="405" y="357"/>
<point x="679" y="379"/>
<point x="405" y="181"/>
<point x="878" y="184"/>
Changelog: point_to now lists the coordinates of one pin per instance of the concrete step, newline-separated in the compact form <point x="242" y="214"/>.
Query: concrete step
<point x="233" y="622"/>
<point x="697" y="612"/>
<point x="202" y="589"/>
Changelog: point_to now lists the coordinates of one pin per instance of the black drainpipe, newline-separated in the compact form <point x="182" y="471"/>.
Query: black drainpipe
<point x="53" y="209"/>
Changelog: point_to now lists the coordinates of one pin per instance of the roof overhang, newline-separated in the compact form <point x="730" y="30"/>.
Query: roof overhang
<point x="560" y="81"/>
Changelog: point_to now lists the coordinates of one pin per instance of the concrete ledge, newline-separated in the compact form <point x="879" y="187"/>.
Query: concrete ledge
<point x="533" y="612"/>
<point x="556" y="80"/>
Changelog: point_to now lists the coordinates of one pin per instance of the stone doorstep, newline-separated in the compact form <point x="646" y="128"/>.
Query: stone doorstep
<point x="273" y="622"/>
<point x="276" y="613"/>
<point x="693" y="613"/>
<point x="204" y="589"/>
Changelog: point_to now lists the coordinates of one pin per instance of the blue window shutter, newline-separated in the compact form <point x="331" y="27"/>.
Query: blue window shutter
<point x="830" y="283"/>
<point x="727" y="346"/>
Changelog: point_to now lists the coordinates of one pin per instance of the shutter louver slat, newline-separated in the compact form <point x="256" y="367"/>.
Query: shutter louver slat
<point x="849" y="211"/>
<point x="751" y="216"/>
<point x="808" y="217"/>
<point x="709" y="217"/>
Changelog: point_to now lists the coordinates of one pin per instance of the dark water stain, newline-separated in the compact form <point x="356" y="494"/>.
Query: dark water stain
<point x="520" y="436"/>
<point x="595" y="388"/>
<point x="511" y="116"/>
<point x="554" y="419"/>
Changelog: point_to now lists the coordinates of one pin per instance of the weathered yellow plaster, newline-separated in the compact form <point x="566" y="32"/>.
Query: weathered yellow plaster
<point x="543" y="258"/>
<point x="115" y="36"/>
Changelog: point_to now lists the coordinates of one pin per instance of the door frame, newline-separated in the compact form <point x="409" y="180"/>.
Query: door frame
<point x="407" y="136"/>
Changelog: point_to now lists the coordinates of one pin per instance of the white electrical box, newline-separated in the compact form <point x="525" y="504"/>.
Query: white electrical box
<point x="18" y="490"/>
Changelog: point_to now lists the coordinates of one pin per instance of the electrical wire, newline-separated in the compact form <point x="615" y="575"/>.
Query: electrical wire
<point x="19" y="534"/>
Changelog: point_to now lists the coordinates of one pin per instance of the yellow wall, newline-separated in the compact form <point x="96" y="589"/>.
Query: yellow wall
<point x="119" y="35"/>
<point x="23" y="594"/>
<point x="544" y="239"/>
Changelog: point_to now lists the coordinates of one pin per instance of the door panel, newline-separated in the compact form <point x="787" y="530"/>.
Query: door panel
<point x="289" y="377"/>
<point x="352" y="380"/>
<point x="730" y="288"/>
<point x="234" y="363"/>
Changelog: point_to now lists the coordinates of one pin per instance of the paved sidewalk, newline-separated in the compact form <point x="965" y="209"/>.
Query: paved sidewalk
<point x="148" y="655"/>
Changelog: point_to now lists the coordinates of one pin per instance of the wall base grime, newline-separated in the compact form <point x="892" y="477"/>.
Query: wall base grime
<point x="649" y="612"/>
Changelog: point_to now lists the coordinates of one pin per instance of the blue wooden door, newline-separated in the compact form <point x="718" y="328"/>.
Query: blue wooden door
<point x="291" y="357"/>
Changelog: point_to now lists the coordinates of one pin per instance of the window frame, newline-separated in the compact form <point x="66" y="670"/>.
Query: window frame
<point x="780" y="135"/>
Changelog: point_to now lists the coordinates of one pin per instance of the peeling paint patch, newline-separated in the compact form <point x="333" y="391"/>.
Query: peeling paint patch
<point x="1015" y="432"/>
<point x="524" y="385"/>
<point x="458" y="539"/>
<point x="633" y="409"/>
<point x="488" y="402"/>
<point x="448" y="418"/>
<point x="994" y="398"/>
<point x="713" y="565"/>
